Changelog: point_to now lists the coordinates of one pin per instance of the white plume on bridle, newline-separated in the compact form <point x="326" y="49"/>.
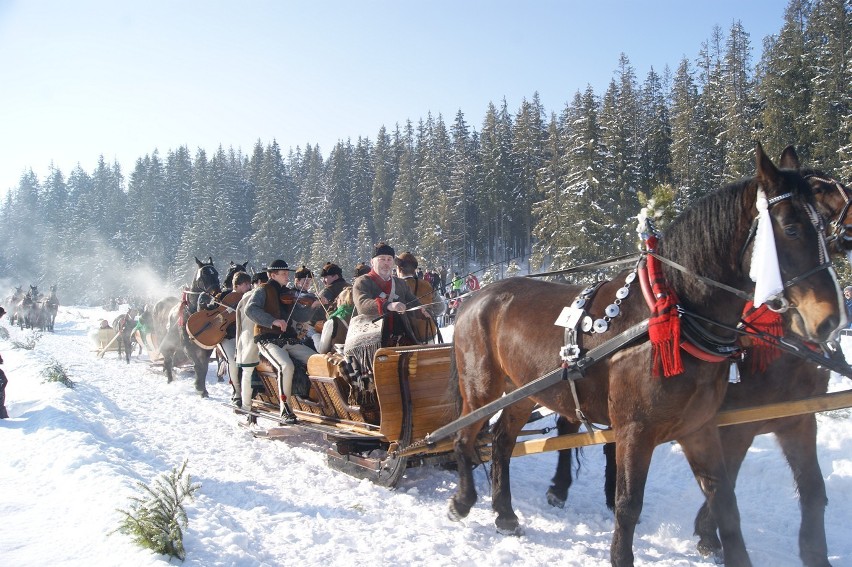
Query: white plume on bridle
<point x="764" y="271"/>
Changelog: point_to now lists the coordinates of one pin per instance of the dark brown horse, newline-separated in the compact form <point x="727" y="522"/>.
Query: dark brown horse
<point x="170" y="317"/>
<point x="495" y="329"/>
<point x="787" y="378"/>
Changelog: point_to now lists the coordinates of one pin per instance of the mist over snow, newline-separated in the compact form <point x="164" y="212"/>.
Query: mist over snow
<point x="72" y="457"/>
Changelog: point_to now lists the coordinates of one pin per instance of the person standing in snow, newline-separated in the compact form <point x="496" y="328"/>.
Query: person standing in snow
<point x="3" y="381"/>
<point x="247" y="354"/>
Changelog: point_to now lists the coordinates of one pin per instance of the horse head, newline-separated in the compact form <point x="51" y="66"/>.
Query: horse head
<point x="233" y="269"/>
<point x="833" y="201"/>
<point x="809" y="291"/>
<point x="206" y="277"/>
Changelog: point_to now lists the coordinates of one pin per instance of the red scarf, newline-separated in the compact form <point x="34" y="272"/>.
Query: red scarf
<point x="763" y="351"/>
<point x="664" y="325"/>
<point x="385" y="286"/>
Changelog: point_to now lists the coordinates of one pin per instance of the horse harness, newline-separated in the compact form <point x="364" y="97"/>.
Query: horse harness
<point x="699" y="341"/>
<point x="839" y="230"/>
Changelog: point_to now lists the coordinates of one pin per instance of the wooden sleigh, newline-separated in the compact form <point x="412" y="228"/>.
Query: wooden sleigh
<point x="407" y="402"/>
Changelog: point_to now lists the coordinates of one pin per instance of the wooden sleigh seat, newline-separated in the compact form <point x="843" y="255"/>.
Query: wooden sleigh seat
<point x="328" y="395"/>
<point x="411" y="385"/>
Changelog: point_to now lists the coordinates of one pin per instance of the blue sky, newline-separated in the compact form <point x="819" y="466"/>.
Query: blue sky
<point x="95" y="77"/>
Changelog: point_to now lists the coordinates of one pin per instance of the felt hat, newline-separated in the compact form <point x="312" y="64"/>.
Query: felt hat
<point x="383" y="249"/>
<point x="276" y="265"/>
<point x="330" y="270"/>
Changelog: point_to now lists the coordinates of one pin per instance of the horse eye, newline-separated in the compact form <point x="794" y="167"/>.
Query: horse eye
<point x="791" y="231"/>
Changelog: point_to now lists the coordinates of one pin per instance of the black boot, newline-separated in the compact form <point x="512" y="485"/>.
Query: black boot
<point x="287" y="416"/>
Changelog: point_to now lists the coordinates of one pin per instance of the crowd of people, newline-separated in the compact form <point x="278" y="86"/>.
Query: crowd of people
<point x="391" y="301"/>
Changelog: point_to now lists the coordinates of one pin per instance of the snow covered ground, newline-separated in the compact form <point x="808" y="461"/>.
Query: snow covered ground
<point x="72" y="457"/>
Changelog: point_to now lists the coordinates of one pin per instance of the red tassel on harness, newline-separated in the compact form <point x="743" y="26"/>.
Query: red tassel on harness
<point x="184" y="302"/>
<point x="763" y="351"/>
<point x="664" y="325"/>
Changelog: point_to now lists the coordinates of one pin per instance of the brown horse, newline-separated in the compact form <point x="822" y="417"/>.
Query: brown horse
<point x="787" y="378"/>
<point x="495" y="329"/>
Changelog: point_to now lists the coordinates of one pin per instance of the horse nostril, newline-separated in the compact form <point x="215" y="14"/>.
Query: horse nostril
<point x="827" y="327"/>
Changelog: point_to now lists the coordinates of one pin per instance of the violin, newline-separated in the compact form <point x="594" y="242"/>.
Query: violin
<point x="293" y="297"/>
<point x="299" y="303"/>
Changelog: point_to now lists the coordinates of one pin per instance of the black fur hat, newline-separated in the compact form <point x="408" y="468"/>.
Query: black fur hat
<point x="362" y="269"/>
<point x="303" y="273"/>
<point x="383" y="249"/>
<point x="330" y="270"/>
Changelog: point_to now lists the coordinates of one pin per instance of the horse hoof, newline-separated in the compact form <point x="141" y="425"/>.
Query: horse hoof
<point x="509" y="527"/>
<point x="454" y="513"/>
<point x="204" y="394"/>
<point x="711" y="549"/>
<point x="554" y="500"/>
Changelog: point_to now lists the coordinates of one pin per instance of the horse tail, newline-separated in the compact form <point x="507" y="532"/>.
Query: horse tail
<point x="454" y="396"/>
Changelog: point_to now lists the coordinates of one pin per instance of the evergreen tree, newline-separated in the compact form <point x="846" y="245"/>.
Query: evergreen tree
<point x="384" y="180"/>
<point x="405" y="202"/>
<point x="739" y="109"/>
<point x="684" y="162"/>
<point x="829" y="34"/>
<point x="783" y="82"/>
<point x="528" y="154"/>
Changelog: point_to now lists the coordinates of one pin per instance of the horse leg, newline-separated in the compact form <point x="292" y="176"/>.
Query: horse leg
<point x="474" y="376"/>
<point x="735" y="441"/>
<point x="201" y="362"/>
<point x="633" y="458"/>
<point x="503" y="439"/>
<point x="703" y="451"/>
<point x="609" y="475"/>
<point x="557" y="494"/>
<point x="467" y="458"/>
<point x="798" y="441"/>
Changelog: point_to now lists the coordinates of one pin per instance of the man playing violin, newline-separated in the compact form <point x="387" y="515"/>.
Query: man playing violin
<point x="274" y="334"/>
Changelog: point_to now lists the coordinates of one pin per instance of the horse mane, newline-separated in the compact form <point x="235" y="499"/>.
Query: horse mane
<point x="700" y="237"/>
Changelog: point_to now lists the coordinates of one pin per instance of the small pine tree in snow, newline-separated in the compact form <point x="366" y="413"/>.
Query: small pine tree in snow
<point x="157" y="518"/>
<point x="55" y="372"/>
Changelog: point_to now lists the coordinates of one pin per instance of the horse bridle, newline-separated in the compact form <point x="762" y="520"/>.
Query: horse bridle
<point x="213" y="272"/>
<point x="839" y="230"/>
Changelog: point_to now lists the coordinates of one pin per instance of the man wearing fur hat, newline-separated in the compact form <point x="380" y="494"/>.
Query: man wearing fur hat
<point x="332" y="277"/>
<point x="274" y="334"/>
<point x="424" y="326"/>
<point x="378" y="293"/>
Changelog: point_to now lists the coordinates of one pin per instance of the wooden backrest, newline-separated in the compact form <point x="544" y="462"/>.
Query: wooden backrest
<point x="425" y="371"/>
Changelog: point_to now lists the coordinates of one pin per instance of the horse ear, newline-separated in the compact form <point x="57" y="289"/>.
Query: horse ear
<point x="789" y="158"/>
<point x="198" y="262"/>
<point x="767" y="173"/>
<point x="210" y="260"/>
